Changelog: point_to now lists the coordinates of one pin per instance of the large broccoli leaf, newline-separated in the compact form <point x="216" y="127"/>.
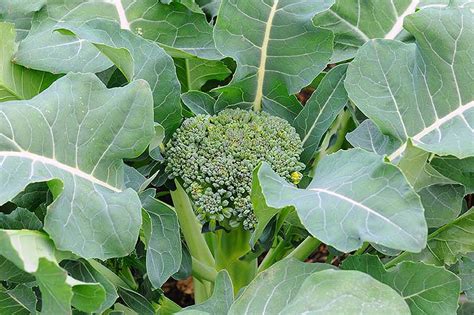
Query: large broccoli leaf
<point x="137" y="58"/>
<point x="77" y="131"/>
<point x="34" y="252"/>
<point x="354" y="197"/>
<point x="274" y="43"/>
<point x="356" y="22"/>
<point x="17" y="82"/>
<point x="48" y="50"/>
<point x="427" y="289"/>
<point x="421" y="91"/>
<point x="174" y="26"/>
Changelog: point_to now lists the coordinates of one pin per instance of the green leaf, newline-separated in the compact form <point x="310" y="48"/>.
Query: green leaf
<point x="211" y="7"/>
<point x="356" y="22"/>
<point x="163" y="242"/>
<point x="278" y="45"/>
<point x="274" y="288"/>
<point x="20" y="300"/>
<point x="412" y="163"/>
<point x="369" y="264"/>
<point x="220" y="300"/>
<point x="81" y="132"/>
<point x="262" y="211"/>
<point x="199" y="102"/>
<point x="48" y="50"/>
<point x="466" y="273"/>
<point x="426" y="289"/>
<point x="447" y="244"/>
<point x="320" y="111"/>
<point x="193" y="73"/>
<point x="18" y="219"/>
<point x="420" y="91"/>
<point x="83" y="271"/>
<point x="136" y="301"/>
<point x="138" y="59"/>
<point x="173" y="26"/>
<point x="368" y="136"/>
<point x="17" y="82"/>
<point x="355" y="197"/>
<point x="459" y="170"/>
<point x="442" y="203"/>
<point x="34" y="253"/>
<point x="21" y="6"/>
<point x="347" y="292"/>
<point x="11" y="273"/>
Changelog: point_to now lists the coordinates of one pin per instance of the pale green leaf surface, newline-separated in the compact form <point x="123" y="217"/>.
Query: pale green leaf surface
<point x="18" y="219"/>
<point x="458" y="170"/>
<point x="354" y="197"/>
<point x="442" y="203"/>
<point x="163" y="256"/>
<point x="466" y="273"/>
<point x="427" y="289"/>
<point x="320" y="111"/>
<point x="78" y="131"/>
<point x="17" y="82"/>
<point x="421" y="91"/>
<point x="274" y="288"/>
<point x="262" y="211"/>
<point x="172" y="25"/>
<point x="193" y="73"/>
<point x="48" y="50"/>
<point x="20" y="300"/>
<point x="21" y="6"/>
<point x="199" y="102"/>
<point x="368" y="136"/>
<point x="356" y="22"/>
<point x="10" y="272"/>
<point x="278" y="45"/>
<point x="220" y="300"/>
<point x="147" y="60"/>
<point x="83" y="271"/>
<point x="345" y="292"/>
<point x="136" y="301"/>
<point x="34" y="253"/>
<point x="447" y="244"/>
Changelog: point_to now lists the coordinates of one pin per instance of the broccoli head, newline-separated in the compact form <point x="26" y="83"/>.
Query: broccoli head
<point x="214" y="157"/>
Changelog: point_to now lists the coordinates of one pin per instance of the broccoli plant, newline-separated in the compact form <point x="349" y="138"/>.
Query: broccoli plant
<point x="282" y="156"/>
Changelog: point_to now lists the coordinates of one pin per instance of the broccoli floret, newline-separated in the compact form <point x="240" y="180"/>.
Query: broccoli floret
<point x="214" y="156"/>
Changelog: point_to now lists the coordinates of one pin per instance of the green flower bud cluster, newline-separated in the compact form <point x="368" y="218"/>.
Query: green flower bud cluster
<point x="214" y="156"/>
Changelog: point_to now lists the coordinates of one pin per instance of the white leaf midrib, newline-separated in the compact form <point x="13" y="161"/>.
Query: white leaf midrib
<point x="69" y="169"/>
<point x="398" y="26"/>
<point x="364" y="207"/>
<point x="257" y="103"/>
<point x="434" y="126"/>
<point x="124" y="24"/>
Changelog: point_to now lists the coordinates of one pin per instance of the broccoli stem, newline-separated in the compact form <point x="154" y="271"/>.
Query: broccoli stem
<point x="305" y="248"/>
<point x="191" y="229"/>
<point x="273" y="255"/>
<point x="231" y="246"/>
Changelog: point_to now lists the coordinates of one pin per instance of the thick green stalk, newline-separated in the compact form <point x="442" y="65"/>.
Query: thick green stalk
<point x="190" y="226"/>
<point x="362" y="250"/>
<point x="203" y="272"/>
<point x="306" y="248"/>
<point x="191" y="229"/>
<point x="230" y="247"/>
<point x="273" y="255"/>
<point x="339" y="127"/>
